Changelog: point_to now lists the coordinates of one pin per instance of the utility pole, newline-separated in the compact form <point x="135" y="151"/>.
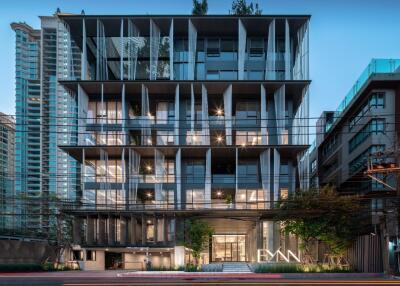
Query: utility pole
<point x="381" y="166"/>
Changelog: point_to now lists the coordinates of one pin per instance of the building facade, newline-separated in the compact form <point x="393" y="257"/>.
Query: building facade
<point x="360" y="136"/>
<point x="7" y="151"/>
<point x="185" y="117"/>
<point x="364" y="125"/>
<point x="45" y="114"/>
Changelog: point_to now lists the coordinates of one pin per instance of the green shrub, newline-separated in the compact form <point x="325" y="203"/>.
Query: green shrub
<point x="162" y="268"/>
<point x="278" y="268"/>
<point x="18" y="267"/>
<point x="49" y="266"/>
<point x="191" y="268"/>
<point x="297" y="268"/>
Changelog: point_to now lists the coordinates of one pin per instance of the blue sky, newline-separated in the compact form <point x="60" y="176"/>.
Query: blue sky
<point x="344" y="35"/>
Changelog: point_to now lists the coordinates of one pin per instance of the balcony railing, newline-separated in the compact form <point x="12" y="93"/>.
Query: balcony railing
<point x="223" y="179"/>
<point x="375" y="66"/>
<point x="214" y="204"/>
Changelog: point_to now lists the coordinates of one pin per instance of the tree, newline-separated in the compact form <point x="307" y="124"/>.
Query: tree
<point x="200" y="8"/>
<point x="322" y="214"/>
<point x="240" y="8"/>
<point x="198" y="235"/>
<point x="61" y="225"/>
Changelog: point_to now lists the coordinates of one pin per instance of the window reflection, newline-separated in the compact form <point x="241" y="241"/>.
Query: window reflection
<point x="102" y="171"/>
<point x="104" y="112"/>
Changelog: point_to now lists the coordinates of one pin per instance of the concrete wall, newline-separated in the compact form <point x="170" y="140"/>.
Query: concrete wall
<point x="133" y="261"/>
<point x="98" y="264"/>
<point x="17" y="251"/>
<point x="137" y="261"/>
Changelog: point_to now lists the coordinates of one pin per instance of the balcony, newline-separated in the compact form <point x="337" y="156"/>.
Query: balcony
<point x="223" y="179"/>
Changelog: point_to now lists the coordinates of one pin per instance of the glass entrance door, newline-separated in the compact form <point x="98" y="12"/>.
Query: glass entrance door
<point x="228" y="248"/>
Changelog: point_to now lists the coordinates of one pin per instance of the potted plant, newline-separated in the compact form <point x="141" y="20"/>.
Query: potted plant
<point x="229" y="201"/>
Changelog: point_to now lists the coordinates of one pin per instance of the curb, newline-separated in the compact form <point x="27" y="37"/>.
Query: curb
<point x="249" y="276"/>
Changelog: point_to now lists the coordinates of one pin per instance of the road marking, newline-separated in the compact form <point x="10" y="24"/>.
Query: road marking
<point x="336" y="282"/>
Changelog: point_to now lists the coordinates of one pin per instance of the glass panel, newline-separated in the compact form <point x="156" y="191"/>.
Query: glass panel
<point x="228" y="248"/>
<point x="162" y="112"/>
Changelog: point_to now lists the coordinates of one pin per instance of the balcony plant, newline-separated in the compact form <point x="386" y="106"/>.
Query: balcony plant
<point x="229" y="201"/>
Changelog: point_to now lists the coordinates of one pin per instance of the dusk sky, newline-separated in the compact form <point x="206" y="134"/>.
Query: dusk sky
<point x="344" y="36"/>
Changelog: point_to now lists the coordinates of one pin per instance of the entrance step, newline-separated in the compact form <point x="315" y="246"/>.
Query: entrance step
<point x="235" y="267"/>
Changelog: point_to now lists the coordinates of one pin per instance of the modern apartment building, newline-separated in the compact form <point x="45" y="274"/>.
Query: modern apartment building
<point x="45" y="114"/>
<point x="365" y="123"/>
<point x="7" y="151"/>
<point x="186" y="117"/>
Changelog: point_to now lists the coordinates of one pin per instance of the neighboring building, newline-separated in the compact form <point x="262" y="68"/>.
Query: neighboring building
<point x="45" y="114"/>
<point x="365" y="123"/>
<point x="365" y="129"/>
<point x="7" y="151"/>
<point x="186" y="117"/>
<point x="27" y="111"/>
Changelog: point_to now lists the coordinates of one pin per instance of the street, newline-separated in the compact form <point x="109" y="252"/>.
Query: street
<point x="103" y="278"/>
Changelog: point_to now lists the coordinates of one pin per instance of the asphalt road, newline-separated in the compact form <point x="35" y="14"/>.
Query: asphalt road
<point x="121" y="281"/>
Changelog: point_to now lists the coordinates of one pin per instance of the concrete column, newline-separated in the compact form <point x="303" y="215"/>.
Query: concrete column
<point x="258" y="234"/>
<point x="165" y="229"/>
<point x="89" y="230"/>
<point x="143" y="230"/>
<point x="179" y="256"/>
<point x="111" y="230"/>
<point x="102" y="230"/>
<point x="155" y="221"/>
<point x="132" y="230"/>
<point x="123" y="223"/>
<point x="77" y="233"/>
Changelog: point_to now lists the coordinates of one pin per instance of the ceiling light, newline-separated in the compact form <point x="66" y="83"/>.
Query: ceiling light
<point x="219" y="139"/>
<point x="219" y="111"/>
<point x="219" y="193"/>
<point x="149" y="168"/>
<point x="149" y="195"/>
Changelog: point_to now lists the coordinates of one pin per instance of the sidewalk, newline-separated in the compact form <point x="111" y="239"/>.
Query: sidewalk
<point x="214" y="275"/>
<point x="190" y="275"/>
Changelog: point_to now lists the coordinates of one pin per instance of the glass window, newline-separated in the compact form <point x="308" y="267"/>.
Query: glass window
<point x="249" y="112"/>
<point x="284" y="193"/>
<point x="256" y="47"/>
<point x="195" y="198"/>
<point x="169" y="166"/>
<point x="112" y="112"/>
<point x="101" y="112"/>
<point x="77" y="255"/>
<point x="91" y="114"/>
<point x="212" y="75"/>
<point x="375" y="126"/>
<point x="90" y="255"/>
<point x="213" y="49"/>
<point x="255" y="75"/>
<point x="248" y="138"/>
<point x="165" y="137"/>
<point x="195" y="171"/>
<point x="162" y="112"/>
<point x="194" y="138"/>
<point x="248" y="171"/>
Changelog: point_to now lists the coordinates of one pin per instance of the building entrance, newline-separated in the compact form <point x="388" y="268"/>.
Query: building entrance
<point x="228" y="248"/>
<point x="113" y="260"/>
